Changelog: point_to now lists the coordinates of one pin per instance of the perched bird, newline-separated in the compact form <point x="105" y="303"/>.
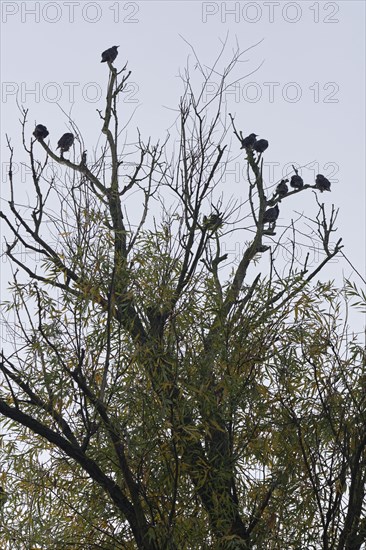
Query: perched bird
<point x="322" y="183"/>
<point x="260" y="146"/>
<point x="296" y="182"/>
<point x="110" y="54"/>
<point x="213" y="221"/>
<point x="282" y="188"/>
<point x="249" y="141"/>
<point x="65" y="142"/>
<point x="271" y="215"/>
<point x="40" y="132"/>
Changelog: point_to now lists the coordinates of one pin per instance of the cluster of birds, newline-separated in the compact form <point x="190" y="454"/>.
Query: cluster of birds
<point x="251" y="143"/>
<point x="64" y="143"/>
<point x="321" y="183"/>
<point x="296" y="182"/>
<point x="67" y="140"/>
<point x="215" y="220"/>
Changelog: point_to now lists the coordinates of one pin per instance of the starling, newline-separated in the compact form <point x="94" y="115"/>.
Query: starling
<point x="249" y="141"/>
<point x="271" y="215"/>
<point x="322" y="183"/>
<point x="213" y="221"/>
<point x="40" y="132"/>
<point x="282" y="188"/>
<point x="110" y="54"/>
<point x="65" y="142"/>
<point x="260" y="146"/>
<point x="296" y="182"/>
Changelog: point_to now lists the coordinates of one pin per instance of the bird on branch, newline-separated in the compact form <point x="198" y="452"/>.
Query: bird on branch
<point x="110" y="54"/>
<point x="249" y="141"/>
<point x="65" y="142"/>
<point x="322" y="183"/>
<point x="260" y="146"/>
<point x="271" y="215"/>
<point x="40" y="132"/>
<point x="282" y="188"/>
<point x="296" y="181"/>
<point x="213" y="222"/>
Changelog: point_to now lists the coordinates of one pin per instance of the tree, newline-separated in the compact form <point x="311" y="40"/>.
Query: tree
<point x="154" y="399"/>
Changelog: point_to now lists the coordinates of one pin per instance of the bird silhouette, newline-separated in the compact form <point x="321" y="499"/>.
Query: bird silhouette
<point x="271" y="215"/>
<point x="40" y="132"/>
<point x="65" y="142"/>
<point x="282" y="188"/>
<point x="296" y="182"/>
<point x="213" y="221"/>
<point x="260" y="146"/>
<point x="322" y="183"/>
<point x="248" y="141"/>
<point x="110" y="54"/>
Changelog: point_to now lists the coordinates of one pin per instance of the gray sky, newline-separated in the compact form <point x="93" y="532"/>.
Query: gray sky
<point x="307" y="98"/>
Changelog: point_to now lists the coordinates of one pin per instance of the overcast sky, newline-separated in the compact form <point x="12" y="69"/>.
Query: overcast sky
<point x="306" y="94"/>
